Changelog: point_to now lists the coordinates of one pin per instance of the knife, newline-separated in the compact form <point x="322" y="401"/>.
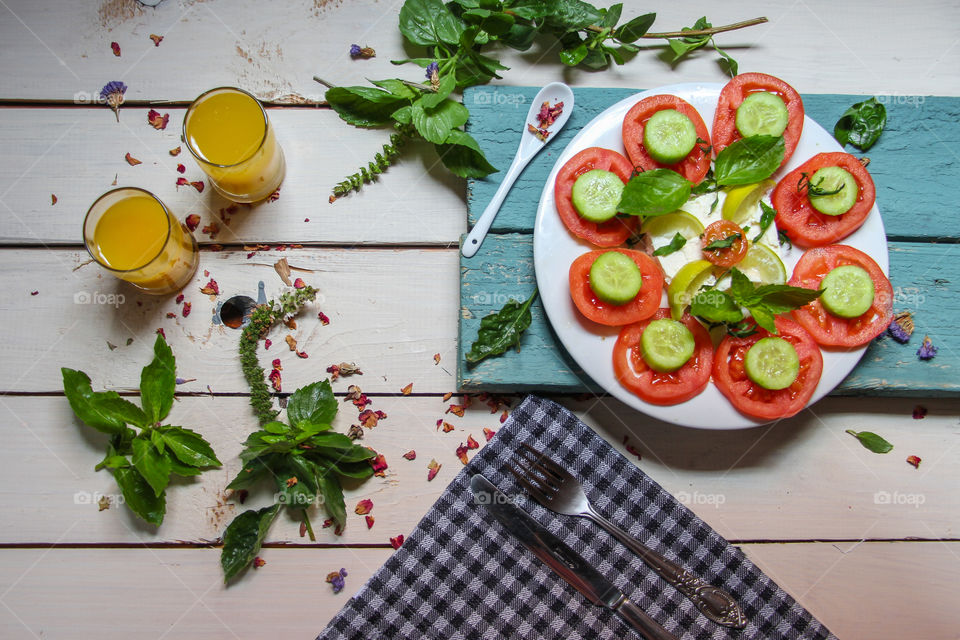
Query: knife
<point x="564" y="561"/>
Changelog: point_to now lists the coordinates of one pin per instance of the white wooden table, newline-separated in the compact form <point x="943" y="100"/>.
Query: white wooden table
<point x="799" y="497"/>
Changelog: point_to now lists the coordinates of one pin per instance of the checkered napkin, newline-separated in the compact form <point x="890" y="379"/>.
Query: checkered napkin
<point x="460" y="574"/>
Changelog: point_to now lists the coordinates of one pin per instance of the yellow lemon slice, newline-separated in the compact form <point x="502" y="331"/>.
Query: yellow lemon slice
<point x="661" y="229"/>
<point x="741" y="202"/>
<point x="685" y="284"/>
<point x="763" y="266"/>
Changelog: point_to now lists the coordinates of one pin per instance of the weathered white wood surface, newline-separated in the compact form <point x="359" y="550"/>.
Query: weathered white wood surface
<point x="802" y="479"/>
<point x="58" y="50"/>
<point x="85" y="593"/>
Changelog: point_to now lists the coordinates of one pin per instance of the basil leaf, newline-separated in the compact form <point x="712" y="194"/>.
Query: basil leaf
<point x="252" y="472"/>
<point x="861" y="124"/>
<point x="766" y="219"/>
<point x="354" y="453"/>
<point x="158" y="380"/>
<point x="429" y="22"/>
<point x="152" y="465"/>
<point x="140" y="496"/>
<point x="531" y="9"/>
<point x="397" y="88"/>
<point x="749" y="160"/>
<point x="243" y="537"/>
<point x="683" y="46"/>
<point x="189" y="447"/>
<point x="716" y="307"/>
<point x="612" y="16"/>
<point x="301" y="493"/>
<point x="358" y="470"/>
<point x="781" y="298"/>
<point x="573" y="57"/>
<point x="634" y="29"/>
<point x="447" y="84"/>
<point x="313" y="404"/>
<point x="461" y="154"/>
<point x="179" y="468"/>
<point x="675" y="245"/>
<point x="742" y="289"/>
<point x="501" y="330"/>
<point x="871" y="441"/>
<point x="86" y="404"/>
<point x="363" y="106"/>
<point x="332" y="494"/>
<point x="764" y="317"/>
<point x="723" y="243"/>
<point x="434" y="124"/>
<point x="654" y="193"/>
<point x="333" y="440"/>
<point x="572" y="15"/>
<point x="112" y="462"/>
<point x="520" y="36"/>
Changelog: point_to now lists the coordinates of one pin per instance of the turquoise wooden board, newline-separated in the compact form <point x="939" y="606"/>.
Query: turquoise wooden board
<point x="926" y="280"/>
<point x="914" y="164"/>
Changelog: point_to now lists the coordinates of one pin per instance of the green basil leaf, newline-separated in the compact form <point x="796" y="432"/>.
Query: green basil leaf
<point x="572" y="57"/>
<point x="749" y="160"/>
<point x="766" y="219"/>
<point x="675" y="245"/>
<point x="447" y="84"/>
<point x="253" y="472"/>
<point x="422" y="21"/>
<point x="403" y="115"/>
<point x="363" y="106"/>
<point x="358" y="470"/>
<point x="158" y="380"/>
<point x="86" y="403"/>
<point x="152" y="465"/>
<point x="764" y="317"/>
<point x="179" y="468"/>
<point x="595" y="60"/>
<point x="243" y="537"/>
<point x="716" y="307"/>
<point x="398" y="88"/>
<point x="497" y="24"/>
<point x="313" y="404"/>
<point x="743" y="291"/>
<point x="140" y="496"/>
<point x="530" y="9"/>
<point x="435" y="124"/>
<point x="871" y="441"/>
<point x="354" y="453"/>
<point x="113" y="462"/>
<point x="501" y="330"/>
<point x="634" y="29"/>
<point x="276" y="427"/>
<point x="654" y="193"/>
<point x="189" y="447"/>
<point x="732" y="67"/>
<point x="461" y="154"/>
<point x="611" y="16"/>
<point x="781" y="298"/>
<point x="861" y="124"/>
<point x="303" y="492"/>
<point x="572" y="15"/>
<point x="332" y="440"/>
<point x="723" y="243"/>
<point x="332" y="494"/>
<point x="520" y="37"/>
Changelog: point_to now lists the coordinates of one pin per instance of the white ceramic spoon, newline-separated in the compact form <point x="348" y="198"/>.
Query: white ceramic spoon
<point x="529" y="146"/>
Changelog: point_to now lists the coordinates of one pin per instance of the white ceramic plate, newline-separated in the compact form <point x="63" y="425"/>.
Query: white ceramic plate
<point x="591" y="345"/>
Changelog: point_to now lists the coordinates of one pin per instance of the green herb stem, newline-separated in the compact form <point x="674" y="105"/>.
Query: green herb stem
<point x="306" y="523"/>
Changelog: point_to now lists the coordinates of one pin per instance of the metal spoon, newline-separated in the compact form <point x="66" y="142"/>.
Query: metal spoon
<point x="529" y="146"/>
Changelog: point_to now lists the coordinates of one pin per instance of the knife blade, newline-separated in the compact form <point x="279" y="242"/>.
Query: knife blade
<point x="564" y="561"/>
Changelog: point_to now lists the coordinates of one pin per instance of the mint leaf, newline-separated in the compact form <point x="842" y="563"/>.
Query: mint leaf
<point x="151" y="464"/>
<point x="189" y="447"/>
<point x="435" y="123"/>
<point x="140" y="496"/>
<point x="461" y="154"/>
<point x="749" y="160"/>
<point x="871" y="441"/>
<point x="86" y="403"/>
<point x="158" y="380"/>
<point x="716" y="307"/>
<point x="501" y="330"/>
<point x="312" y="404"/>
<point x="861" y="124"/>
<point x="243" y="537"/>
<point x="654" y="193"/>
<point x="764" y="317"/>
<point x="766" y="219"/>
<point x="675" y="245"/>
<point x="742" y="289"/>
<point x="363" y="106"/>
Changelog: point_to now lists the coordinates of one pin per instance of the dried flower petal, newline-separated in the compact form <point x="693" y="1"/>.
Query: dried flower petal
<point x="171" y="314"/>
<point x="161" y="332"/>
<point x="919" y="412"/>
<point x="503" y="416"/>
<point x="53" y="199"/>
<point x="258" y="562"/>
<point x="447" y="427"/>
<point x="303" y="529"/>
<point x="355" y="432"/>
<point x="115" y="48"/>
<point x="211" y="288"/>
<point x="103" y="503"/>
<point x="156" y="39"/>
<point x="369" y="520"/>
<point x="267" y="343"/>
<point x="927" y="351"/>
<point x="182" y="182"/>
<point x="179" y="299"/>
<point x="324" y="320"/>
<point x="156" y="120"/>
<point x="273" y="197"/>
<point x="462" y="453"/>
<point x="175" y="152"/>
<point x="335" y="578"/>
<point x="914" y="460"/>
<point x="410" y="455"/>
<point x="367" y="417"/>
<point x="407" y="389"/>
<point x="275" y="380"/>
<point x="471" y="443"/>
<point x="433" y="469"/>
<point x="456" y="409"/>
<point x="112" y="93"/>
<point x="488" y="433"/>
<point x="299" y="283"/>
<point x="181" y="168"/>
<point x="436" y="358"/>
<point x="291" y="342"/>
<point x="379" y="464"/>
<point x="548" y="115"/>
<point x="198" y="185"/>
<point x="541" y="134"/>
<point x="630" y="448"/>
<point x="363" y="507"/>
<point x="292" y="481"/>
<point x="186" y="308"/>
<point x="447" y="395"/>
<point x="397" y="542"/>
<point x="131" y="160"/>
<point x="192" y="221"/>
<point x="901" y="327"/>
<point x="211" y="229"/>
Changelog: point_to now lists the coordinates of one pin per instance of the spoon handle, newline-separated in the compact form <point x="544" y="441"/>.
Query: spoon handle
<point x="471" y="244"/>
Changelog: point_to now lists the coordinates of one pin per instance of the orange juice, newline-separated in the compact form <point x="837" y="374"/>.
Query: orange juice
<point x="133" y="235"/>
<point x="230" y="136"/>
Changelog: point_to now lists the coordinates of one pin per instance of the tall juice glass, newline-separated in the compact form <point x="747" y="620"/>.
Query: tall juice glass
<point x="131" y="234"/>
<point x="229" y="135"/>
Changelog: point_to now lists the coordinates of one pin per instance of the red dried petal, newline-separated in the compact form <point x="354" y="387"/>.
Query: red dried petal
<point x="258" y="562"/>
<point x="211" y="229"/>
<point x="53" y="199"/>
<point x="186" y="308"/>
<point x="630" y="448"/>
<point x="471" y="443"/>
<point x="368" y="418"/>
<point x="407" y="389"/>
<point x="914" y="460"/>
<point x="334" y="371"/>
<point x="198" y="185"/>
<point x="161" y="332"/>
<point x="919" y="412"/>
<point x="192" y="221"/>
<point x="363" y="507"/>
<point x="276" y="364"/>
<point x="175" y="152"/>
<point x="302" y="354"/>
<point x="410" y="455"/>
<point x="303" y="529"/>
<point x="156" y="42"/>
<point x="379" y="464"/>
<point x="171" y="314"/>
<point x="115" y="48"/>
<point x="462" y="453"/>
<point x="156" y="120"/>
<point x="503" y="416"/>
<point x="324" y="320"/>
<point x="436" y="358"/>
<point x="369" y="520"/>
<point x="275" y="380"/>
<point x="292" y="481"/>
<point x="299" y="283"/>
<point x="488" y="433"/>
<point x="274" y="196"/>
<point x="327" y="523"/>
<point x="179" y="299"/>
<point x="211" y="288"/>
<point x="447" y="427"/>
<point x="433" y="469"/>
<point x="181" y="168"/>
<point x="182" y="181"/>
<point x="380" y="415"/>
<point x="267" y="343"/>
<point x="456" y="409"/>
<point x="362" y="402"/>
<point x="34" y="293"/>
<point x="397" y="542"/>
<point x="131" y="160"/>
<point x="447" y="396"/>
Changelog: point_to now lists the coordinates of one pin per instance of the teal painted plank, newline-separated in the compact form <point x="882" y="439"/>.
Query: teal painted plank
<point x="916" y="159"/>
<point x="926" y="280"/>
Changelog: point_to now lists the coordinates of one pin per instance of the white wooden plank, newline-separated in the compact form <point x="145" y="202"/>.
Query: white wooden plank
<point x="880" y="591"/>
<point x="55" y="50"/>
<point x="801" y="480"/>
<point x="77" y="154"/>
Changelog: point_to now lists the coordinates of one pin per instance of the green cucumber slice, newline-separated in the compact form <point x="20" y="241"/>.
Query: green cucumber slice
<point x="666" y="345"/>
<point x="615" y="278"/>
<point x="669" y="136"/>
<point x="830" y="179"/>
<point x="848" y="291"/>
<point x="772" y="363"/>
<point x="762" y="113"/>
<point x="596" y="195"/>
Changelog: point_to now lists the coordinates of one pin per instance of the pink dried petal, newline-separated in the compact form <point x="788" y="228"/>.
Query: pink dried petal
<point x="179" y="299"/>
<point x="156" y="120"/>
<point x="276" y="364"/>
<point x="447" y="427"/>
<point x="914" y="460"/>
<point x="161" y="332"/>
<point x="198" y="185"/>
<point x="181" y="168"/>
<point x="115" y="48"/>
<point x="433" y="469"/>
<point x="503" y="416"/>
<point x="462" y="453"/>
<point x="275" y="380"/>
<point x="258" y="562"/>
<point x="363" y="507"/>
<point x="410" y="455"/>
<point x="436" y="358"/>
<point x="156" y="39"/>
<point x="131" y="160"/>
<point x="397" y="542"/>
<point x="369" y="520"/>
<point x="267" y="343"/>
<point x="488" y="433"/>
<point x="211" y="288"/>
<point x="181" y="181"/>
<point x="368" y="418"/>
<point x="919" y="412"/>
<point x="471" y="443"/>
<point x="192" y="221"/>
<point x="456" y="409"/>
<point x="186" y="308"/>
<point x="324" y="320"/>
<point x="299" y="283"/>
<point x="379" y="464"/>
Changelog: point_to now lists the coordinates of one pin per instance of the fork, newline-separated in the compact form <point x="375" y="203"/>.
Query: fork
<point x="558" y="490"/>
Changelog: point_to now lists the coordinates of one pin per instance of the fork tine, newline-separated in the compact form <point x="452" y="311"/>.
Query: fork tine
<point x="535" y="492"/>
<point x="544" y="462"/>
<point x="538" y="472"/>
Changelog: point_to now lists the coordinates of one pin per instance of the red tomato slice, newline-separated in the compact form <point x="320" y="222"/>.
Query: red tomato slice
<point x="826" y="328"/>
<point x="603" y="234"/>
<point x="656" y="387"/>
<point x="695" y="166"/>
<point x="721" y="230"/>
<point x="805" y="225"/>
<point x="612" y="315"/>
<point x="725" y="119"/>
<point x="750" y="398"/>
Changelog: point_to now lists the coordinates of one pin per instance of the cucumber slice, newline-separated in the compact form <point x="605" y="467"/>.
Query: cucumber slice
<point x="666" y="345"/>
<point x="762" y="113"/>
<point x="830" y="179"/>
<point x="848" y="291"/>
<point x="772" y="363"/>
<point x="615" y="278"/>
<point x="669" y="136"/>
<point x="596" y="195"/>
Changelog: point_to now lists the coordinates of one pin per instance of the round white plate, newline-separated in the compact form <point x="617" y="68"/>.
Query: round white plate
<point x="591" y="345"/>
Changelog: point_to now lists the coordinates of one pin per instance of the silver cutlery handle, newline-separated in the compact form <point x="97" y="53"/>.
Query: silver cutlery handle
<point x="639" y="620"/>
<point x="713" y="602"/>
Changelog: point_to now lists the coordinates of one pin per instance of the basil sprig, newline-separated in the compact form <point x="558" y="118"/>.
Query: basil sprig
<point x="501" y="330"/>
<point x="748" y="160"/>
<point x="861" y="124"/>
<point x="871" y="441"/>
<point x="654" y="193"/>
<point x="677" y="243"/>
<point x="142" y="453"/>
<point x="766" y="219"/>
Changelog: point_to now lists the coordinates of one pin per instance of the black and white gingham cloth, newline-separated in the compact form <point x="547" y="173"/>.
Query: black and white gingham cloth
<point x="460" y="574"/>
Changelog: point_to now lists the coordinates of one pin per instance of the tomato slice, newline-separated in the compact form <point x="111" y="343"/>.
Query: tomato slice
<point x="611" y="233"/>
<point x="725" y="119"/>
<point x="826" y="328"/>
<point x="695" y="166"/>
<point x="640" y="308"/>
<point x="721" y="230"/>
<point x="750" y="398"/>
<point x="653" y="386"/>
<point x="805" y="225"/>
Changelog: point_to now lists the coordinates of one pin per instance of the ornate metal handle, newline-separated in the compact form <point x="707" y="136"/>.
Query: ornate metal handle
<point x="713" y="602"/>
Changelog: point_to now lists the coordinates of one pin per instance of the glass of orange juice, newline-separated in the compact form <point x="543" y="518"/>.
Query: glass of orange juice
<point x="133" y="235"/>
<point x="229" y="135"/>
